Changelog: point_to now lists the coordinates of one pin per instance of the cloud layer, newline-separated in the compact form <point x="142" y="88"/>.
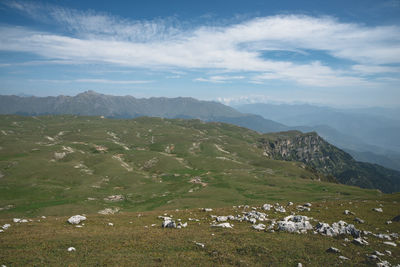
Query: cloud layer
<point x="88" y="37"/>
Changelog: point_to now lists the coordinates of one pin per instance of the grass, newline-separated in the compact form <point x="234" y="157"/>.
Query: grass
<point x="34" y="183"/>
<point x="133" y="241"/>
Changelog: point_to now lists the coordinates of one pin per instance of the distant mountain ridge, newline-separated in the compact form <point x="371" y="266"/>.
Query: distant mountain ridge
<point x="368" y="134"/>
<point x="91" y="103"/>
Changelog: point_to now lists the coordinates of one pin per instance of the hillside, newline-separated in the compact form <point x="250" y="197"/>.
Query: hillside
<point x="368" y="134"/>
<point x="128" y="176"/>
<point x="60" y="164"/>
<point x="91" y="103"/>
<point x="314" y="151"/>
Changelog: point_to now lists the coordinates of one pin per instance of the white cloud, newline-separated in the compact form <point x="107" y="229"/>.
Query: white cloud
<point x="100" y="38"/>
<point x="103" y="81"/>
<point x="219" y="79"/>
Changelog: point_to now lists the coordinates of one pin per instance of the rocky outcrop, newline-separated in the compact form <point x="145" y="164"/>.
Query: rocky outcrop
<point x="331" y="162"/>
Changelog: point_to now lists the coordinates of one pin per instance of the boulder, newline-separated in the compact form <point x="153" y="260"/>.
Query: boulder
<point x="259" y="227"/>
<point x="71" y="249"/>
<point x="338" y="228"/>
<point x="267" y="207"/>
<point x="359" y="241"/>
<point x="390" y="243"/>
<point x="221" y="219"/>
<point x="76" y="219"/>
<point x="222" y="225"/>
<point x="378" y="209"/>
<point x="295" y="224"/>
<point x="333" y="250"/>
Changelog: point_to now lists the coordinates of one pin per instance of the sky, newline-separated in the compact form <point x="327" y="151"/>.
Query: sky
<point x="338" y="53"/>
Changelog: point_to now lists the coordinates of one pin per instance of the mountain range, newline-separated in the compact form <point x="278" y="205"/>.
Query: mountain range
<point x="368" y="134"/>
<point x="348" y="171"/>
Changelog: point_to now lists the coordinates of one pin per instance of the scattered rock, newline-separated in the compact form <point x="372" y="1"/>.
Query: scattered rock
<point x="343" y="258"/>
<point x="333" y="250"/>
<point x="359" y="220"/>
<point x="279" y="209"/>
<point x="303" y="208"/>
<point x="6" y="226"/>
<point x="199" y="244"/>
<point x="338" y="228"/>
<point x="307" y="205"/>
<point x="373" y="257"/>
<point x="390" y="243"/>
<point x="388" y="222"/>
<point x="383" y="264"/>
<point x="110" y="224"/>
<point x="267" y="207"/>
<point x="207" y="209"/>
<point x="295" y="223"/>
<point x="108" y="211"/>
<point x="70" y="249"/>
<point x="221" y="219"/>
<point x="222" y="225"/>
<point x="60" y="155"/>
<point x="259" y="227"/>
<point x="290" y="203"/>
<point x="360" y="241"/>
<point x="377" y="253"/>
<point x="114" y="198"/>
<point x="378" y="209"/>
<point x="76" y="219"/>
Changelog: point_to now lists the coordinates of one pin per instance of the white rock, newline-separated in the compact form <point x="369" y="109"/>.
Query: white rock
<point x="299" y="265"/>
<point x="377" y="209"/>
<point x="1" y="230"/>
<point x="70" y="249"/>
<point x="390" y="243"/>
<point x="360" y="241"/>
<point x="280" y="209"/>
<point x="343" y="258"/>
<point x="290" y="203"/>
<point x="296" y="223"/>
<point x="307" y="205"/>
<point x="110" y="224"/>
<point x="16" y="220"/>
<point x="383" y="264"/>
<point x="222" y="219"/>
<point x="259" y="227"/>
<point x="333" y="250"/>
<point x="200" y="244"/>
<point x="23" y="221"/>
<point x="377" y="253"/>
<point x="43" y="217"/>
<point x="388" y="252"/>
<point x="168" y="224"/>
<point x="222" y="225"/>
<point x="6" y="226"/>
<point x="267" y="207"/>
<point x="76" y="219"/>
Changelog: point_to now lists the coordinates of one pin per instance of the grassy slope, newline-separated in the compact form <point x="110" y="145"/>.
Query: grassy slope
<point x="35" y="183"/>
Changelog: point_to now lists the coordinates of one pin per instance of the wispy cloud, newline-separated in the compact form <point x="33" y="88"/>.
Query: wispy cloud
<point x="219" y="79"/>
<point x="104" y="81"/>
<point x="101" y="38"/>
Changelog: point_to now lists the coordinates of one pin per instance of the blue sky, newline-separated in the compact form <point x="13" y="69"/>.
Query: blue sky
<point x="342" y="53"/>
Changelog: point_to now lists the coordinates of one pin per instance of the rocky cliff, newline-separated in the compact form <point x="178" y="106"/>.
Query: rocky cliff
<point x="316" y="153"/>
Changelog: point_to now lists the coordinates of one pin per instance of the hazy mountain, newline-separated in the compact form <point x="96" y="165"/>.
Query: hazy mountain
<point x="94" y="104"/>
<point x="366" y="131"/>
